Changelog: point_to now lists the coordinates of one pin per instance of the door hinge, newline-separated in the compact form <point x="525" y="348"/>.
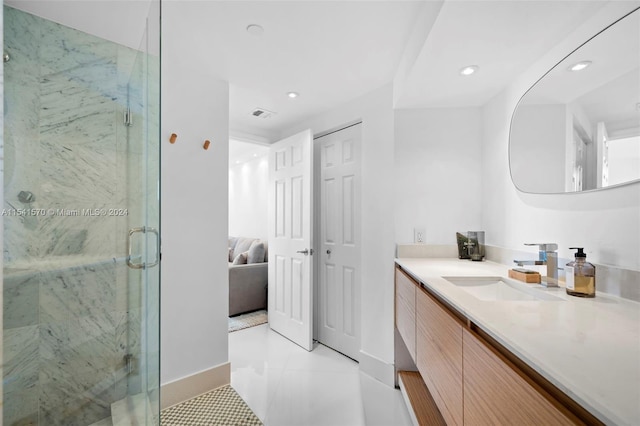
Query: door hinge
<point x="128" y="363"/>
<point x="128" y="117"/>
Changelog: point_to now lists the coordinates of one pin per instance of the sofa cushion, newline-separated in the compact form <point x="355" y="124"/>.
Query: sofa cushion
<point x="242" y="245"/>
<point x="256" y="252"/>
<point x="232" y="242"/>
<point x="241" y="259"/>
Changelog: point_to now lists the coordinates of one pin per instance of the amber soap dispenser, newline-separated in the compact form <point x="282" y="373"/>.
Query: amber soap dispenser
<point x="581" y="275"/>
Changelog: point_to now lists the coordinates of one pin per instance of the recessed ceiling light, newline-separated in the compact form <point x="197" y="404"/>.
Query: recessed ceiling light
<point x="468" y="70"/>
<point x="580" y="66"/>
<point x="255" y="29"/>
<point x="293" y="95"/>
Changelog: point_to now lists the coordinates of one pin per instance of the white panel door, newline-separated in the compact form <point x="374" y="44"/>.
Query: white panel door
<point x="290" y="238"/>
<point x="339" y="246"/>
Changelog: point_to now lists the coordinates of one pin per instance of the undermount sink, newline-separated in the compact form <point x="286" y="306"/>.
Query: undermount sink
<point x="499" y="289"/>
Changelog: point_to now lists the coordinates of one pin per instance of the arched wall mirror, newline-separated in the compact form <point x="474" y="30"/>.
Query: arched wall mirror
<point x="578" y="128"/>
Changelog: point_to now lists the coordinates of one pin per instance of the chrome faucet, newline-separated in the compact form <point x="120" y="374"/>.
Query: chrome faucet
<point x="547" y="255"/>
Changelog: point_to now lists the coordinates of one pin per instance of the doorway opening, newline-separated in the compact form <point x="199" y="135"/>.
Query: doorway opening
<point x="335" y="249"/>
<point x="248" y="247"/>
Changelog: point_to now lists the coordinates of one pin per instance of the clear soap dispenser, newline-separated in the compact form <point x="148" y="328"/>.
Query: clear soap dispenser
<point x="581" y="275"/>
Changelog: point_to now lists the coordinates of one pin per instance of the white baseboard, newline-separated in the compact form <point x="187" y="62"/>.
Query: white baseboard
<point x="377" y="369"/>
<point x="180" y="390"/>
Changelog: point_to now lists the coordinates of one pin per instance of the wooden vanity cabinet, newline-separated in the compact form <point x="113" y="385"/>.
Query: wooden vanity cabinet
<point x="472" y="379"/>
<point x="439" y="355"/>
<point x="494" y="392"/>
<point x="405" y="305"/>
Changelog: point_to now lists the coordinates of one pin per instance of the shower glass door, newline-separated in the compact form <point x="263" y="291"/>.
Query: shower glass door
<point x="80" y="286"/>
<point x="141" y="126"/>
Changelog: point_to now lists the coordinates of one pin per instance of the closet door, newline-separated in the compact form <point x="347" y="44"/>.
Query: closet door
<point x="339" y="246"/>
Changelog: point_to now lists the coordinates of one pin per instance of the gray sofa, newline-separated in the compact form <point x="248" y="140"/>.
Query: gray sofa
<point x="248" y="271"/>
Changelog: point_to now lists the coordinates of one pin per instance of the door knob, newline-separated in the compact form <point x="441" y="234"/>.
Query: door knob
<point x="328" y="251"/>
<point x="306" y="252"/>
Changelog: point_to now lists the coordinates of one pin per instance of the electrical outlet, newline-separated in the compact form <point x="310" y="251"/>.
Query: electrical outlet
<point x="418" y="235"/>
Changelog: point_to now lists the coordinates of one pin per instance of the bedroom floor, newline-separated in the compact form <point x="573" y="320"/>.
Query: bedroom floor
<point x="285" y="385"/>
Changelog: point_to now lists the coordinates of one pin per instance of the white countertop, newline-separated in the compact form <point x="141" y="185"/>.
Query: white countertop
<point x="588" y="348"/>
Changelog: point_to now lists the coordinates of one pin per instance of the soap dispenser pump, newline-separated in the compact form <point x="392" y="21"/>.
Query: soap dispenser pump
<point x="581" y="275"/>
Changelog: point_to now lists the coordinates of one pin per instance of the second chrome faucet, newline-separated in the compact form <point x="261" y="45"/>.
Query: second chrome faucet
<point x="547" y="255"/>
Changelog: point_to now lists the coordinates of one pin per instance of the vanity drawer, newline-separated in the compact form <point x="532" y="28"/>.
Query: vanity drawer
<point x="495" y="392"/>
<point x="406" y="310"/>
<point x="439" y="355"/>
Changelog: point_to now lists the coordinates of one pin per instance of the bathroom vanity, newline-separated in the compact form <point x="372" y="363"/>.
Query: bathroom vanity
<point x="491" y="350"/>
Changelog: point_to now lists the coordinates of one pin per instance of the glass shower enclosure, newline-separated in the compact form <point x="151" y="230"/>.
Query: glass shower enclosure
<point x="81" y="245"/>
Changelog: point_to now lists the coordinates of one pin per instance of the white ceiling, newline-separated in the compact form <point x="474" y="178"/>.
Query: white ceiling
<point x="333" y="51"/>
<point x="501" y="37"/>
<point x="328" y="51"/>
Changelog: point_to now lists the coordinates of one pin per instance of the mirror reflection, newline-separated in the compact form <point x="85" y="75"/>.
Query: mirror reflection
<point x="578" y="127"/>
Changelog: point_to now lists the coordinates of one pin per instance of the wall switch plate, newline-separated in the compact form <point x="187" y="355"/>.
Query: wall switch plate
<point x="418" y="235"/>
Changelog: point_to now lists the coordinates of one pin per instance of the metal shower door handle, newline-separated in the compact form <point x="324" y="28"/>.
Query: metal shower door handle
<point x="157" y="259"/>
<point x="142" y="265"/>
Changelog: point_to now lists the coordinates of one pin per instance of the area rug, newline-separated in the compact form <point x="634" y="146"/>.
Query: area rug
<point x="222" y="406"/>
<point x="247" y="320"/>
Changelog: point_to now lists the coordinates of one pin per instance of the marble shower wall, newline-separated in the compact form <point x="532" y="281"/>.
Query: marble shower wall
<point x="71" y="306"/>
<point x="65" y="140"/>
<point x="66" y="333"/>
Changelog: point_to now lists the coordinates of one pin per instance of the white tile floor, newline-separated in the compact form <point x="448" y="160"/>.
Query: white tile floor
<point x="285" y="385"/>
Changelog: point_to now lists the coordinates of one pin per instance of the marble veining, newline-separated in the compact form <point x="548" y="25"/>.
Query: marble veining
<point x="21" y="301"/>
<point x="77" y="292"/>
<point x="66" y="95"/>
<point x="81" y="401"/>
<point x="20" y="357"/>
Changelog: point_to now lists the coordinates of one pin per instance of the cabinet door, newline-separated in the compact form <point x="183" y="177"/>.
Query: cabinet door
<point x="406" y="311"/>
<point x="439" y="353"/>
<point x="494" y="393"/>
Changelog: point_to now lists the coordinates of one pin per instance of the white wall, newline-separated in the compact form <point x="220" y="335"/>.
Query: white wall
<point x="378" y="248"/>
<point x="248" y="188"/>
<point x="195" y="280"/>
<point x="606" y="223"/>
<point x="438" y="173"/>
